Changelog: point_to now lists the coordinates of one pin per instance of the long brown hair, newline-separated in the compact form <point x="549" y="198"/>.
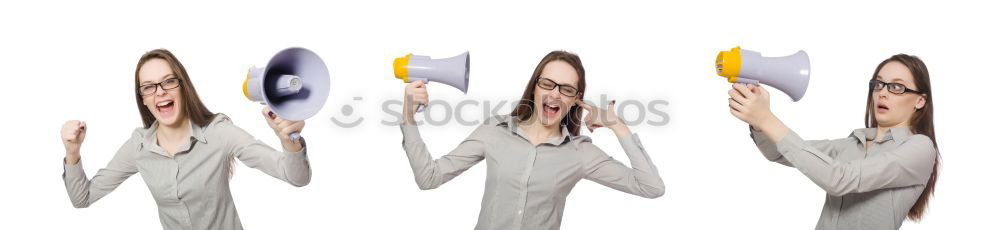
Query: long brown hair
<point x="921" y="122"/>
<point x="526" y="106"/>
<point x="193" y="109"/>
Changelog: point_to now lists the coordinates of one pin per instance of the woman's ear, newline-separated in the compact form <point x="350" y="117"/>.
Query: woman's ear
<point x="921" y="101"/>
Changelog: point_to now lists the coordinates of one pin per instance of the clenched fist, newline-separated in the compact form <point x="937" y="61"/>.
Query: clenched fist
<point x="73" y="133"/>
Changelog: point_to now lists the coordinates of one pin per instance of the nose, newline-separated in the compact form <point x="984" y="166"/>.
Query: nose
<point x="882" y="93"/>
<point x="160" y="91"/>
<point x="554" y="93"/>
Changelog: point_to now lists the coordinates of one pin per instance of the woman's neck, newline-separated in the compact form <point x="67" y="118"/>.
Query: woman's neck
<point x="535" y="129"/>
<point x="174" y="132"/>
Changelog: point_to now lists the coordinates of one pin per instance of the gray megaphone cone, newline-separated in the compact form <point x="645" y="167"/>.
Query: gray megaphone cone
<point x="453" y="71"/>
<point x="295" y="84"/>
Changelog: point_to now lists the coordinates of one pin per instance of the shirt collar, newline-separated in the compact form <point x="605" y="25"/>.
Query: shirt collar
<point x="511" y="123"/>
<point x="197" y="134"/>
<point x="868" y="134"/>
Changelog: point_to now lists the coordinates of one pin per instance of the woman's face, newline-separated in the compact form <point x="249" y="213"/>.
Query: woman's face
<point x="895" y="110"/>
<point x="554" y="105"/>
<point x="165" y="105"/>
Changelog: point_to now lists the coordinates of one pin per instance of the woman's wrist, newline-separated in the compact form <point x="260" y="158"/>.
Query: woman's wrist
<point x="72" y="159"/>
<point x="772" y="127"/>
<point x="764" y="121"/>
<point x="408" y="119"/>
<point x="292" y="147"/>
<point x="408" y="113"/>
<point x="620" y="129"/>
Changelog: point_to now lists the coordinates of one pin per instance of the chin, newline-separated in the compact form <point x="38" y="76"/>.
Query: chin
<point x="885" y="123"/>
<point x="167" y="121"/>
<point x="544" y="121"/>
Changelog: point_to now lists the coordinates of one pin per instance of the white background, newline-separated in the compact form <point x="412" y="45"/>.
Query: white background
<point x="76" y="60"/>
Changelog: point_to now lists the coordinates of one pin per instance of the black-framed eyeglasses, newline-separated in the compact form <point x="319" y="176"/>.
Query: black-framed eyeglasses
<point x="895" y="88"/>
<point x="150" y="89"/>
<point x="566" y="90"/>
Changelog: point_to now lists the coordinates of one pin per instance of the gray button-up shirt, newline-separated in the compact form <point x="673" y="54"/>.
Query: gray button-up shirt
<point x="191" y="188"/>
<point x="527" y="185"/>
<point x="871" y="189"/>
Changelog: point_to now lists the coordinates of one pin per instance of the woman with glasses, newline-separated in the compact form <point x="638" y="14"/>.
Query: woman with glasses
<point x="184" y="152"/>
<point x="535" y="155"/>
<point x="876" y="177"/>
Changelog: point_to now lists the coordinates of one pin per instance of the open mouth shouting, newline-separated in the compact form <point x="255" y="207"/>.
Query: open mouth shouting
<point x="551" y="109"/>
<point x="166" y="108"/>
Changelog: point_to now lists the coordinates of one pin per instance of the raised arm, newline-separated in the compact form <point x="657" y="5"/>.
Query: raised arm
<point x="908" y="164"/>
<point x="641" y="179"/>
<point x="770" y="149"/>
<point x="82" y="191"/>
<point x="430" y="173"/>
<point x="290" y="165"/>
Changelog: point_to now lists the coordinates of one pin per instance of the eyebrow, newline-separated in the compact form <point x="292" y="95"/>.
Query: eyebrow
<point x="550" y="79"/>
<point x="164" y="77"/>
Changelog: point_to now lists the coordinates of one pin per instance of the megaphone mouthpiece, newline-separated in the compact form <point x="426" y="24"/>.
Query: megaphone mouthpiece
<point x="399" y="67"/>
<point x="727" y="64"/>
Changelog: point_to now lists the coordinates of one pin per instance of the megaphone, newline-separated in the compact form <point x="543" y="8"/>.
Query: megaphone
<point x="453" y="71"/>
<point x="790" y="74"/>
<point x="294" y="84"/>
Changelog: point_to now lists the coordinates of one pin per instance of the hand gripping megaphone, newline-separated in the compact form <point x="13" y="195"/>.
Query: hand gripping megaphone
<point x="294" y="84"/>
<point x="453" y="71"/>
<point x="790" y="74"/>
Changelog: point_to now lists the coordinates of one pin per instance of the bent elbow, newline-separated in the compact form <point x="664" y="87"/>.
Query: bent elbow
<point x="81" y="204"/>
<point x="300" y="180"/>
<point x="302" y="183"/>
<point x="424" y="185"/>
<point x="653" y="191"/>
<point x="655" y="194"/>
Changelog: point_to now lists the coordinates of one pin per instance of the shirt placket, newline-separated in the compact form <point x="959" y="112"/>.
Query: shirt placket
<point x="523" y="196"/>
<point x="183" y="215"/>
<point x="186" y="218"/>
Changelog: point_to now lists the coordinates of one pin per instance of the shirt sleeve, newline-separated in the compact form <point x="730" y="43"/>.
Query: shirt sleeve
<point x="770" y="149"/>
<point x="83" y="192"/>
<point x="291" y="167"/>
<point x="909" y="164"/>
<point x="641" y="179"/>
<point x="430" y="173"/>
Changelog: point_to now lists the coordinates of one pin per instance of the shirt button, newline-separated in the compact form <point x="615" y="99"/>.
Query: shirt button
<point x="519" y="212"/>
